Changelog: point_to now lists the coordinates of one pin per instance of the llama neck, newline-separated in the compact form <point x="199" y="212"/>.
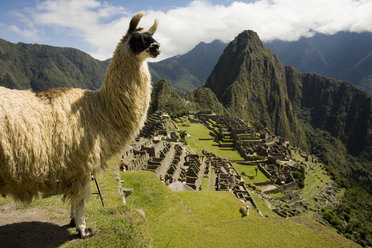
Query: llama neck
<point x="126" y="91"/>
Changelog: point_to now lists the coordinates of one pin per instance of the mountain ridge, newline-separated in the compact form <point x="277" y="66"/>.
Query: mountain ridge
<point x="188" y="71"/>
<point x="345" y="56"/>
<point x="42" y="67"/>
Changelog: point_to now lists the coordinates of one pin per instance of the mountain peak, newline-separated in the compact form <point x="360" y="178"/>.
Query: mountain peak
<point x="245" y="54"/>
<point x="247" y="39"/>
<point x="250" y="34"/>
<point x="250" y="82"/>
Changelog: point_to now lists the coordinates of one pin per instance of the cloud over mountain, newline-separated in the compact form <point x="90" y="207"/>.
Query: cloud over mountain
<point x="100" y="25"/>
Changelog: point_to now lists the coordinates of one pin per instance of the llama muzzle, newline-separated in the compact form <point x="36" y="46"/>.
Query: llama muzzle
<point x="154" y="49"/>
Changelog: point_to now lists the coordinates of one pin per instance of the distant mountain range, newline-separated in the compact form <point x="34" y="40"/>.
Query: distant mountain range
<point x="344" y="56"/>
<point x="41" y="67"/>
<point x="189" y="71"/>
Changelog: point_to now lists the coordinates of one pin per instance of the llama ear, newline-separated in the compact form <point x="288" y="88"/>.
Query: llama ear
<point x="134" y="22"/>
<point x="152" y="30"/>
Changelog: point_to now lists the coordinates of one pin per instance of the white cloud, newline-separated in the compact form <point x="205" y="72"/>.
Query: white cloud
<point x="102" y="25"/>
<point x="279" y="19"/>
<point x="29" y="33"/>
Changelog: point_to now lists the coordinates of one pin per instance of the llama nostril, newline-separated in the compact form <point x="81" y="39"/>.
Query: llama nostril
<point x="154" y="46"/>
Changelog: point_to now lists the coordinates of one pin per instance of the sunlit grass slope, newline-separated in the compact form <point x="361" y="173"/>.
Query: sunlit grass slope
<point x="212" y="219"/>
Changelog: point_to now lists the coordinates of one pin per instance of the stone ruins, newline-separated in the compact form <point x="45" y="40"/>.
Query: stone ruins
<point x="158" y="149"/>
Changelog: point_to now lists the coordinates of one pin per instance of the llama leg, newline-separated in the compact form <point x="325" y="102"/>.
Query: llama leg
<point x="78" y="209"/>
<point x="72" y="214"/>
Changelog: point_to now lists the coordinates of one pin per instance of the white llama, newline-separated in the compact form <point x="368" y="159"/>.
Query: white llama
<point x="66" y="135"/>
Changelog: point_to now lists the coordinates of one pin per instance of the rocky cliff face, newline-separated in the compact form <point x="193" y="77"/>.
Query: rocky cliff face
<point x="337" y="107"/>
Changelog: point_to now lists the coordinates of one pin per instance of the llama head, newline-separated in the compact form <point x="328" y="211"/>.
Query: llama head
<point x="140" y="41"/>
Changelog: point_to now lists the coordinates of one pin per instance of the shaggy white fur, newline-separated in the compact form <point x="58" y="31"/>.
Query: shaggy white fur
<point x="66" y="135"/>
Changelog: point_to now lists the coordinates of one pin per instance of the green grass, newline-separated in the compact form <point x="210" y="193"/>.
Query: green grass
<point x="5" y="201"/>
<point x="212" y="121"/>
<point x="115" y="224"/>
<point x="211" y="219"/>
<point x="204" y="184"/>
<point x="276" y="195"/>
<point x="213" y="206"/>
<point x="314" y="182"/>
<point x="181" y="119"/>
<point x="315" y="179"/>
<point x="207" y="183"/>
<point x="265" y="210"/>
<point x="197" y="130"/>
<point x="250" y="171"/>
<point x="185" y="219"/>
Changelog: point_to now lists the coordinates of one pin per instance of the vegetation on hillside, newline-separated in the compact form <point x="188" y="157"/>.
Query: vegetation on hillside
<point x="325" y="117"/>
<point x="41" y="67"/>
<point x="352" y="215"/>
<point x="165" y="98"/>
<point x="205" y="101"/>
<point x="345" y="56"/>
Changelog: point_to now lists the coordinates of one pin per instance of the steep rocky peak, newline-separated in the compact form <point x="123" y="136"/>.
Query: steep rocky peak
<point x="250" y="82"/>
<point x="246" y="61"/>
<point x="246" y="40"/>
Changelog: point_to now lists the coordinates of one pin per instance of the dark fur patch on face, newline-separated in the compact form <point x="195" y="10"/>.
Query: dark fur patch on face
<point x="139" y="42"/>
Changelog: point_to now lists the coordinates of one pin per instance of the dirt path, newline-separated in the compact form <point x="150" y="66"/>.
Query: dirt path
<point x="32" y="227"/>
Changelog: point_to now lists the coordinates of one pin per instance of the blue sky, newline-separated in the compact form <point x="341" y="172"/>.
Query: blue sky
<point x="95" y="26"/>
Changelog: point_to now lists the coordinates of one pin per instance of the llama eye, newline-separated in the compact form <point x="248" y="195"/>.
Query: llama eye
<point x="137" y="43"/>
